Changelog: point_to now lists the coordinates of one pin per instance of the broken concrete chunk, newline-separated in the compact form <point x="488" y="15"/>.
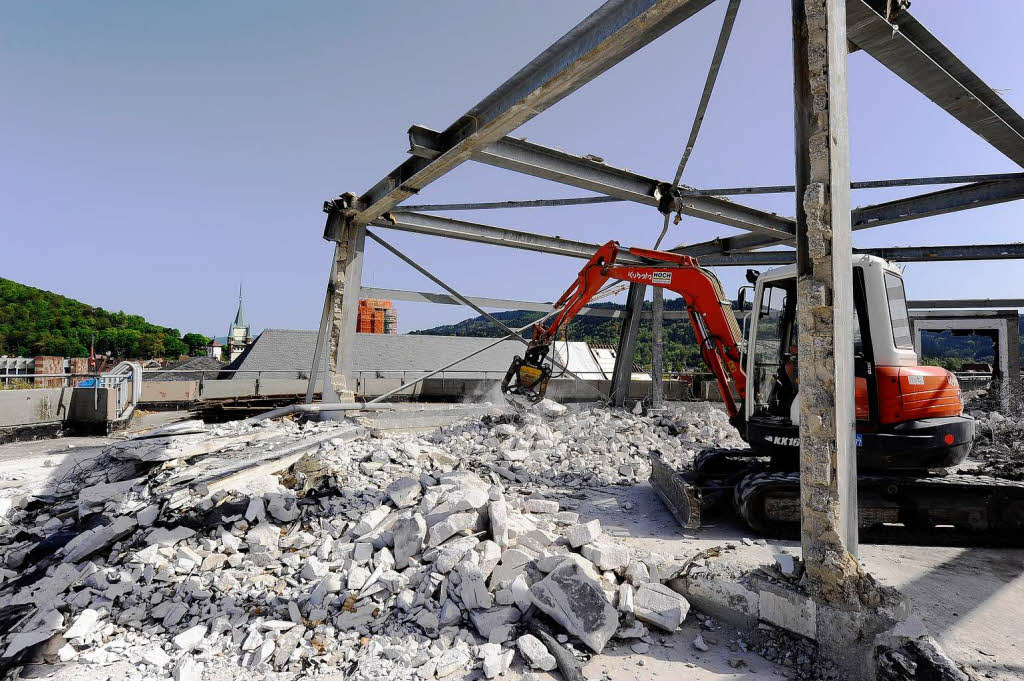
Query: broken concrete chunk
<point x="568" y="596"/>
<point x="498" y="512"/>
<point x="788" y="565"/>
<point x="541" y="506"/>
<point x="605" y="555"/>
<point x="486" y="620"/>
<point x="404" y="492"/>
<point x="535" y="653"/>
<point x="83" y="624"/>
<point x="371" y="520"/>
<point x="190" y="638"/>
<point x="584" y="534"/>
<point x="156" y="657"/>
<point x="98" y="538"/>
<point x="408" y="536"/>
<point x="450" y="526"/>
<point x="660" y="606"/>
<point x="164" y="536"/>
<point x="549" y="408"/>
<point x="513" y="563"/>
<point x="188" y="669"/>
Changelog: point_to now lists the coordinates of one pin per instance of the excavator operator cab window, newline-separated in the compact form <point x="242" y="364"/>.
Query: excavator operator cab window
<point x="775" y="364"/>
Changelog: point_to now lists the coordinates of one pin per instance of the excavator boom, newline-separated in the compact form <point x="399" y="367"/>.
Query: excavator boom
<point x="709" y="311"/>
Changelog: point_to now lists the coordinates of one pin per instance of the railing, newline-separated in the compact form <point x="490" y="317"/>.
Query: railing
<point x="126" y="381"/>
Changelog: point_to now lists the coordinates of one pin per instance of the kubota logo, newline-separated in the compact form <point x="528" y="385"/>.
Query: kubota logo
<point x="653" y="277"/>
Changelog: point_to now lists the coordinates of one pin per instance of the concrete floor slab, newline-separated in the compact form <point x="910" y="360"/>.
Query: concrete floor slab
<point x="971" y="600"/>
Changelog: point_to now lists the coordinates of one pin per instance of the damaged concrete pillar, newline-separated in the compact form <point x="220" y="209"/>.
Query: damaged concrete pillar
<point x="349" y="238"/>
<point x="348" y="273"/>
<point x="828" y="474"/>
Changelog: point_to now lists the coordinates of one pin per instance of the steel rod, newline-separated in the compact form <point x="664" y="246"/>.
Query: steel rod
<point x="444" y="368"/>
<point x="536" y="203"/>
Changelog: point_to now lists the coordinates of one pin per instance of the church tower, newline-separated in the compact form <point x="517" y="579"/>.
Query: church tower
<point x="238" y="333"/>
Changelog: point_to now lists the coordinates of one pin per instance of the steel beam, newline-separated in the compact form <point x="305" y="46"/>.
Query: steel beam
<point x="502" y="303"/>
<point x="909" y="50"/>
<point x="496" y="236"/>
<point x="891" y="253"/>
<point x="715" y="253"/>
<point x="611" y="33"/>
<point x="966" y="303"/>
<point x="941" y="202"/>
<point x="622" y="372"/>
<point x="597" y="176"/>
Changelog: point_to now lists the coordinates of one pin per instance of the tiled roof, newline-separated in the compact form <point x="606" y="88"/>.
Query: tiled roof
<point x="293" y="349"/>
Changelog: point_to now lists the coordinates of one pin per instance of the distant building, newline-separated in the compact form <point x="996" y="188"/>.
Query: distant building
<point x="239" y="337"/>
<point x="376" y="315"/>
<point x="215" y="349"/>
<point x="190" y="369"/>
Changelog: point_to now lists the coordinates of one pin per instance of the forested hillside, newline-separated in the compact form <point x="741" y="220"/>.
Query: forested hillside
<point x="681" y="352"/>
<point x="37" y="322"/>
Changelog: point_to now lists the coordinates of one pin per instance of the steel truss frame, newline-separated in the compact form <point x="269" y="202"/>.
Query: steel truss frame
<point x="610" y="34"/>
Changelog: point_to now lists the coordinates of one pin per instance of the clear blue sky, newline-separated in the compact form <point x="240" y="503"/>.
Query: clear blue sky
<point x="154" y="154"/>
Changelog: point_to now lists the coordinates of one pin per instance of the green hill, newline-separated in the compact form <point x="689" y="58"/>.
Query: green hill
<point x="680" y="346"/>
<point x="37" y="322"/>
<point x="681" y="352"/>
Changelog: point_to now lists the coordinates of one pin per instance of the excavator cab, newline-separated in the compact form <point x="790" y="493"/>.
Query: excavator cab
<point x="909" y="417"/>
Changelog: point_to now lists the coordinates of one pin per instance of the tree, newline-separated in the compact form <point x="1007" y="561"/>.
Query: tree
<point x="196" y="343"/>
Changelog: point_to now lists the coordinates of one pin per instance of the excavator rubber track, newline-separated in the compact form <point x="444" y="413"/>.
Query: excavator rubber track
<point x="708" y="487"/>
<point x="931" y="509"/>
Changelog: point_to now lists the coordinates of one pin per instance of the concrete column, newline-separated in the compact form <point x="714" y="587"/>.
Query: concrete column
<point x="1013" y="359"/>
<point x="657" y="348"/>
<point x="828" y="473"/>
<point x="347" y="273"/>
<point x="623" y="370"/>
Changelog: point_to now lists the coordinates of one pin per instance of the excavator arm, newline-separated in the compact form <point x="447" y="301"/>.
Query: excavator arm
<point x="710" y="313"/>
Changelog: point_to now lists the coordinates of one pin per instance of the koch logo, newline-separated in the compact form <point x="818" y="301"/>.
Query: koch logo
<point x="662" y="278"/>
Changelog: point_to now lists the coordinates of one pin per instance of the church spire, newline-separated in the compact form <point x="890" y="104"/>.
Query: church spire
<point x="240" y="315"/>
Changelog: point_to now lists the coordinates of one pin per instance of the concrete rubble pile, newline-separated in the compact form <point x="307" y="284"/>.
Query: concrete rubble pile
<point x="555" y="445"/>
<point x="999" y="445"/>
<point x="295" y="550"/>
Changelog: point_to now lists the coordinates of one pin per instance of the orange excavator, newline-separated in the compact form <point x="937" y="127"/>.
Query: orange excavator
<point x="911" y="426"/>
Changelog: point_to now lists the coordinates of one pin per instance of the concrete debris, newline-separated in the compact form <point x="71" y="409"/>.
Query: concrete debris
<point x="535" y="653"/>
<point x="405" y="556"/>
<point x="570" y="597"/>
<point x="660" y="606"/>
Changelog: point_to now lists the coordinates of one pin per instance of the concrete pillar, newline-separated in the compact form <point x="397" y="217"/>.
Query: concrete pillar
<point x="347" y="271"/>
<point x="1013" y="360"/>
<point x="828" y="474"/>
<point x="657" y="348"/>
<point x="623" y="371"/>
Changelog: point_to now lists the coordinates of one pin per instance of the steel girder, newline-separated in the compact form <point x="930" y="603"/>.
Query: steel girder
<point x="909" y="50"/>
<point x="586" y="173"/>
<point x="611" y="33"/>
<point x="434" y="225"/>
<point x="502" y="303"/>
<point x="911" y="208"/>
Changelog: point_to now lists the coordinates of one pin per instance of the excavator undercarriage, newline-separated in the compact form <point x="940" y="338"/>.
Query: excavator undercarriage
<point x="923" y="508"/>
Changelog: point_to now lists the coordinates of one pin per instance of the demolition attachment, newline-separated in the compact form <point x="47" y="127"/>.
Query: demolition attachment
<point x="527" y="377"/>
